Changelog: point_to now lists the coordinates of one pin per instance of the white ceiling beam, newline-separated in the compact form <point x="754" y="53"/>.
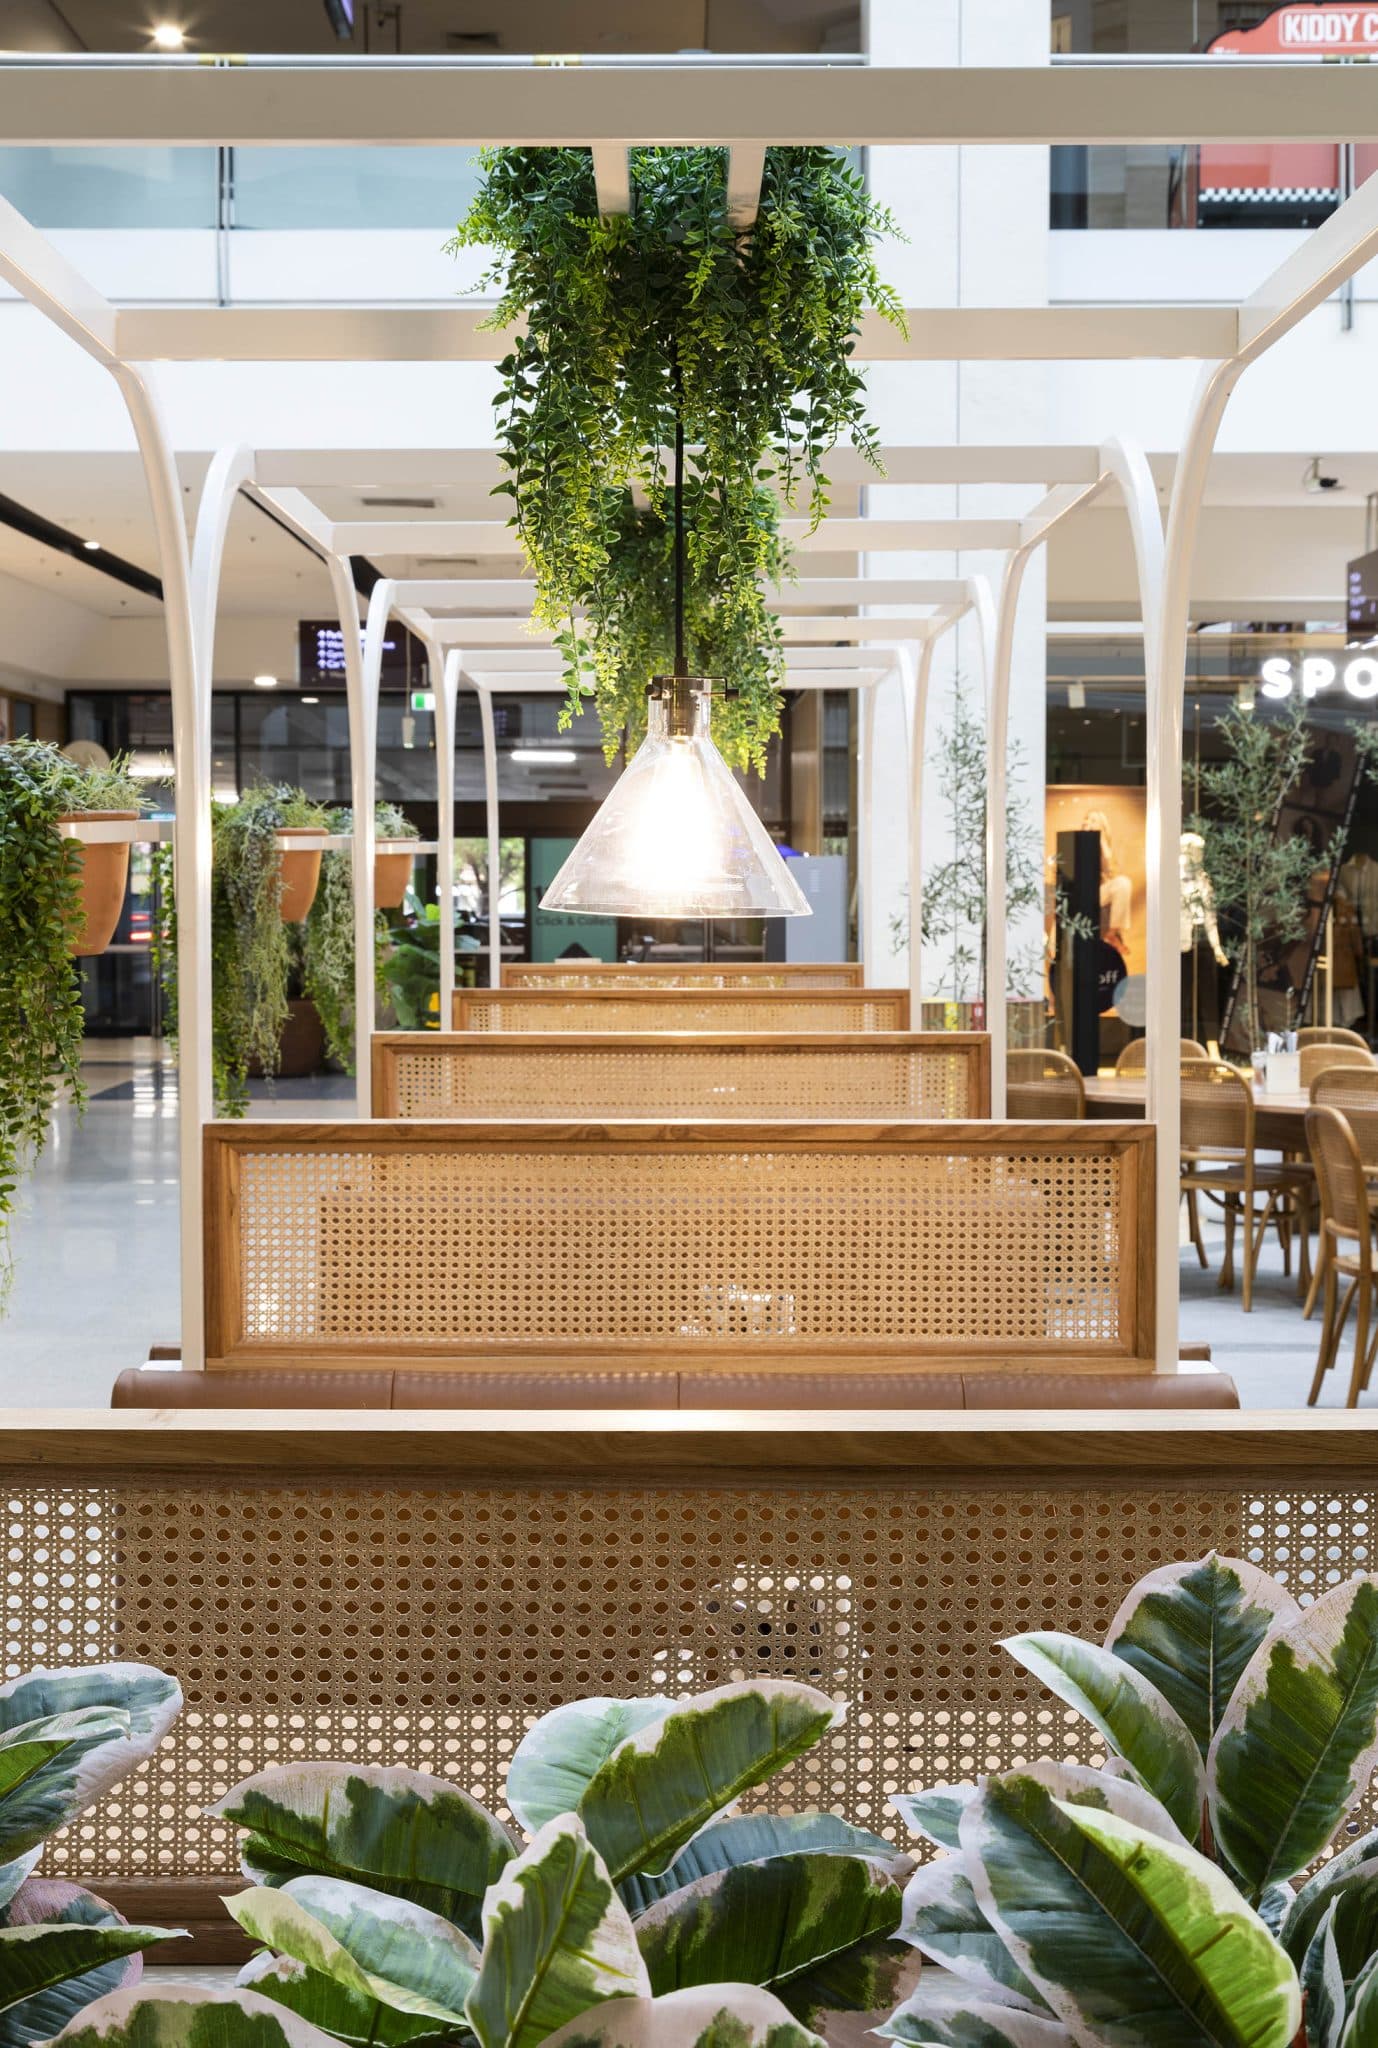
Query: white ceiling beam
<point x="356" y="103"/>
<point x="511" y="596"/>
<point x="612" y="177"/>
<point x="475" y="538"/>
<point x="33" y="267"/>
<point x="531" y="658"/>
<point x="477" y="630"/>
<point x="746" y="165"/>
<point x="1329" y="254"/>
<point x="1056" y="506"/>
<point x="424" y="334"/>
<point x="299" y="511"/>
<point x="417" y="469"/>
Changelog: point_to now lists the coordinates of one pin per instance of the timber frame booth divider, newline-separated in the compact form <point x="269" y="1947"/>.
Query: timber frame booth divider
<point x="731" y="1010"/>
<point x="931" y="1076"/>
<point x="568" y="974"/>
<point x="409" y="1589"/>
<point x="941" y="1246"/>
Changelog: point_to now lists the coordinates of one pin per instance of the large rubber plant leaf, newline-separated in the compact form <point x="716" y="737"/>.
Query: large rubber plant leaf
<point x="942" y="1917"/>
<point x="385" y="1826"/>
<point x="555" y="1761"/>
<point x="751" y="1838"/>
<point x="1361" y="2027"/>
<point x="1323" y="1986"/>
<point x="184" y="2016"/>
<point x="1356" y="1864"/>
<point x="137" y="1707"/>
<point x="945" y="2014"/>
<point x="1298" y="1740"/>
<point x="935" y="1814"/>
<point x="38" y="1962"/>
<point x="1133" y="1941"/>
<point x="1190" y="1630"/>
<point x="654" y="1793"/>
<point x="1132" y="1715"/>
<point x="378" y="1947"/>
<point x="348" y="2016"/>
<point x="708" y="2016"/>
<point x="557" y="1940"/>
<point x="767" y="1923"/>
<point x="27" y="1746"/>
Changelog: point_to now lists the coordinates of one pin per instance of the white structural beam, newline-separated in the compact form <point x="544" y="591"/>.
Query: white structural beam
<point x="424" y="334"/>
<point x="488" y="539"/>
<point x="746" y="165"/>
<point x="477" y="630"/>
<point x="511" y="596"/>
<point x="32" y="266"/>
<point x="357" y="102"/>
<point x="612" y="179"/>
<point x="1329" y="255"/>
<point x="415" y="469"/>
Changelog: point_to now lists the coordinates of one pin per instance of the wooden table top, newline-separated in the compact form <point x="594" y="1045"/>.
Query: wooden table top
<point x="1279" y="1117"/>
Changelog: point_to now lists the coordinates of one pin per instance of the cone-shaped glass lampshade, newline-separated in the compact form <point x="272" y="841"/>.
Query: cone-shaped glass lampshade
<point x="677" y="838"/>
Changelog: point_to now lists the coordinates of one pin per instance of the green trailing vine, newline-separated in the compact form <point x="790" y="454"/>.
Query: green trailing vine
<point x="41" y="1017"/>
<point x="628" y="322"/>
<point x="327" y="937"/>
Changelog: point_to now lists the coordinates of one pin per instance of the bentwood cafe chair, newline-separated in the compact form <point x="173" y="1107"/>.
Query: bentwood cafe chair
<point x="1220" y="1158"/>
<point x="1043" y="1086"/>
<point x="1346" y="1248"/>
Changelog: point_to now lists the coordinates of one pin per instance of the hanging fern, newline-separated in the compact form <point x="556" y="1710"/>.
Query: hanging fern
<point x="626" y="322"/>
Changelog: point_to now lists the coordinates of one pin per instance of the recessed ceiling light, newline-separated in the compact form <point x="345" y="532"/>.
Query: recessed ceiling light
<point x="549" y="757"/>
<point x="310" y="700"/>
<point x="265" y="682"/>
<point x="168" y="36"/>
<point x="91" y="545"/>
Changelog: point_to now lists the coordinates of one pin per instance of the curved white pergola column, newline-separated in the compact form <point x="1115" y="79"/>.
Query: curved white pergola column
<point x="446" y="666"/>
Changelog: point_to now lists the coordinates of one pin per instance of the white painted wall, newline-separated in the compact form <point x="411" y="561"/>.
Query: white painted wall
<point x="977" y="221"/>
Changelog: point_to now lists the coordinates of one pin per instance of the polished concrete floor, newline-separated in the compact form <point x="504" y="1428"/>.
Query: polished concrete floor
<point x="96" y="1253"/>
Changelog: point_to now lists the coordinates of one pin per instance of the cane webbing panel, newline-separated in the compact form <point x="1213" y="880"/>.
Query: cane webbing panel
<point x="429" y="1626"/>
<point x="685" y="974"/>
<point x="648" y="1009"/>
<point x="468" y="1074"/>
<point x="446" y="1240"/>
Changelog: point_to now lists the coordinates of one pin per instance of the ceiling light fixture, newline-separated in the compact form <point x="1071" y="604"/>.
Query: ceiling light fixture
<point x="676" y="837"/>
<point x="310" y="700"/>
<point x="551" y="757"/>
<point x="265" y="682"/>
<point x="91" y="545"/>
<point x="168" y="36"/>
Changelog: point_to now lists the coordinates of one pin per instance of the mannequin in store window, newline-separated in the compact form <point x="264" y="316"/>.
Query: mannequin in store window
<point x="1359" y="880"/>
<point x="1200" y="935"/>
<point x="1116" y="889"/>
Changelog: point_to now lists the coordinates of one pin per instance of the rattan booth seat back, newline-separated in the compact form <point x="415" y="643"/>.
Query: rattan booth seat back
<point x="1041" y="1083"/>
<point x="977" y="1245"/>
<point x="723" y="1010"/>
<point x="576" y="974"/>
<point x="1318" y="1059"/>
<point x="926" y="1076"/>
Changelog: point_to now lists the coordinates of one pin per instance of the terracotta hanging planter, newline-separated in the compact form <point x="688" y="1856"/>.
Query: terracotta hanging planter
<point x="392" y="866"/>
<point x="299" y="853"/>
<point x="104" y="879"/>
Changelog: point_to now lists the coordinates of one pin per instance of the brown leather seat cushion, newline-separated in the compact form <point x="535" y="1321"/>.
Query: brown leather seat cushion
<point x="515" y="1387"/>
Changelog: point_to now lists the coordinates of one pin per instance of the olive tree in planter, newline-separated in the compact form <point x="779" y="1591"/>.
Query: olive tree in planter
<point x="44" y="923"/>
<point x="669" y="318"/>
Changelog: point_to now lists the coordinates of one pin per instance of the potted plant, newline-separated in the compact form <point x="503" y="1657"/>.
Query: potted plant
<point x="93" y="795"/>
<point x="393" y="856"/>
<point x="327" y="952"/>
<point x="667" y="317"/>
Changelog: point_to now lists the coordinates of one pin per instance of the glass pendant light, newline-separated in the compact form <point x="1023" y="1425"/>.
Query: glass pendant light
<point x="677" y="837"/>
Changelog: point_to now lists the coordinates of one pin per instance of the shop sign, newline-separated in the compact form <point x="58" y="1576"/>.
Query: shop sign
<point x="1357" y="676"/>
<point x="1331" y="28"/>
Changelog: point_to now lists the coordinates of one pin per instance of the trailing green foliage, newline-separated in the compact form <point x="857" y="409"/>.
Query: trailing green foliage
<point x="66" y="1737"/>
<point x="629" y="323"/>
<point x="41" y="1018"/>
<point x="327" y="934"/>
<point x="251" y="947"/>
<point x="1072" y="1906"/>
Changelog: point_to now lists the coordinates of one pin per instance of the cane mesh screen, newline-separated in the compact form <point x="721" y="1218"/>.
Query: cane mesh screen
<point x="685" y="974"/>
<point x="406" y="1624"/>
<point x="466" y="1076"/>
<point x="375" y="1240"/>
<point x="728" y="1009"/>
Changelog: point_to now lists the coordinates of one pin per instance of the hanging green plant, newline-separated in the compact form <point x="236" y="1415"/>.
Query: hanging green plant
<point x="327" y="948"/>
<point x="251" y="948"/>
<point x="630" y="322"/>
<point x="41" y="1018"/>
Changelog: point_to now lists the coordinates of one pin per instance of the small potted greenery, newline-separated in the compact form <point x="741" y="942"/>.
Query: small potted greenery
<point x="393" y="856"/>
<point x="90" y="795"/>
<point x="300" y="830"/>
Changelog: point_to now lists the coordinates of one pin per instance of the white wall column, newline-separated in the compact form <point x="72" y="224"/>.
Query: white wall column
<point x="493" y="828"/>
<point x="446" y="666"/>
<point x="361" y="686"/>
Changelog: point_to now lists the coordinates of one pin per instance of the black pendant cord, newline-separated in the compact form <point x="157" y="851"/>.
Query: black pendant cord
<point x="681" y="667"/>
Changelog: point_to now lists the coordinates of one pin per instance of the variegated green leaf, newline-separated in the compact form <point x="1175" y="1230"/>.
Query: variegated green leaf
<point x="751" y="1838"/>
<point x="131" y="1706"/>
<point x="935" y="1814"/>
<point x="24" y="1749"/>
<point x="1323" y="1985"/>
<point x="1132" y="1715"/>
<point x="1361" y="2027"/>
<point x="384" y="1826"/>
<point x="12" y="1875"/>
<point x="767" y="1923"/>
<point x="557" y="1940"/>
<point x="708" y="2016"/>
<point x="942" y="1918"/>
<point x="1190" y="1630"/>
<point x="847" y="1994"/>
<point x="377" y="1946"/>
<point x="1356" y="1864"/>
<point x="184" y="2016"/>
<point x="1134" y="1941"/>
<point x="654" y="1793"/>
<point x="558" y="1758"/>
<point x="346" y="2015"/>
<point x="1298" y="1740"/>
<point x="944" y="2014"/>
<point x="35" y="1959"/>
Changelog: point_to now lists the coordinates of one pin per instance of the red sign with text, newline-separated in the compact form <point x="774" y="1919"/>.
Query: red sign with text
<point x="1329" y="29"/>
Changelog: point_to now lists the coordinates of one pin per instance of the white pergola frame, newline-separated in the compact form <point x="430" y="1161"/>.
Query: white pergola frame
<point x="184" y="103"/>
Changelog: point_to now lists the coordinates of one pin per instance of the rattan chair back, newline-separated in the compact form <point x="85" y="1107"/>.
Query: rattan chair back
<point x="1330" y="1034"/>
<point x="1044" y="1086"/>
<point x="1316" y="1058"/>
<point x="1134" y="1058"/>
<point x="1339" y="1174"/>
<point x="1217" y="1111"/>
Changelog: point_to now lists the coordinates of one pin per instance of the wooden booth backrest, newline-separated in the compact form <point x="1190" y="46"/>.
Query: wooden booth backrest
<point x="930" y="1077"/>
<point x="852" y="1244"/>
<point x="571" y="974"/>
<point x="726" y="1010"/>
